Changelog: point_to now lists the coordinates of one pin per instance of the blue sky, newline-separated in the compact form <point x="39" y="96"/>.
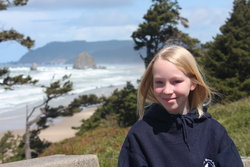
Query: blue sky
<point x="97" y="20"/>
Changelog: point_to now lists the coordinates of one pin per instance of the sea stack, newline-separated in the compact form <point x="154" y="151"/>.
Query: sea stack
<point x="33" y="67"/>
<point x="83" y="61"/>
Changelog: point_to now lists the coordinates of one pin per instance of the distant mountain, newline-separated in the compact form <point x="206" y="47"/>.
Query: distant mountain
<point x="104" y="52"/>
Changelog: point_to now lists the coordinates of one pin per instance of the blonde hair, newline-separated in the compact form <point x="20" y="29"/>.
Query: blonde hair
<point x="185" y="61"/>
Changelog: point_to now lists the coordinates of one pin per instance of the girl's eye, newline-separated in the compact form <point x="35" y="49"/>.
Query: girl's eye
<point x="177" y="81"/>
<point x="158" y="82"/>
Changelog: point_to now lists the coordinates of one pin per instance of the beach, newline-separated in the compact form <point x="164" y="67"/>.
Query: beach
<point x="16" y="103"/>
<point x="15" y="120"/>
<point x="62" y="129"/>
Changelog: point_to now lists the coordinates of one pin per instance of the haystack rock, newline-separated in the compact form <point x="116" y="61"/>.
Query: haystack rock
<point x="83" y="61"/>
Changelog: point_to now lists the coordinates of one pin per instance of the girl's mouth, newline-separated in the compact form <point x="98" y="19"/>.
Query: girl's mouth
<point x="169" y="99"/>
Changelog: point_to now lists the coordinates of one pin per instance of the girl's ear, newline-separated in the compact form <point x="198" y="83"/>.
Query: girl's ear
<point x="193" y="86"/>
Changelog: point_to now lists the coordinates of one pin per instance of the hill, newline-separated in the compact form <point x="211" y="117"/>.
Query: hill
<point x="106" y="141"/>
<point x="104" y="52"/>
<point x="235" y="117"/>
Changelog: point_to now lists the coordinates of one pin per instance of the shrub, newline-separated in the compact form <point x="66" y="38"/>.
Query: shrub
<point x="120" y="107"/>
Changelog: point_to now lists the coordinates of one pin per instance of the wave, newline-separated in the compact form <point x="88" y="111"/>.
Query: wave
<point x="88" y="80"/>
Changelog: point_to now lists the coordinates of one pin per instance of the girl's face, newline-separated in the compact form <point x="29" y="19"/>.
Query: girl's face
<point x="171" y="87"/>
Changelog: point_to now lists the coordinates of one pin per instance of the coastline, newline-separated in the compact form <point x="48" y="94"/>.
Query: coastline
<point x="60" y="130"/>
<point x="15" y="119"/>
<point x="61" y="127"/>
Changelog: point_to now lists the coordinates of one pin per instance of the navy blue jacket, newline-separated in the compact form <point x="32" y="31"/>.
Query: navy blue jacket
<point x="161" y="139"/>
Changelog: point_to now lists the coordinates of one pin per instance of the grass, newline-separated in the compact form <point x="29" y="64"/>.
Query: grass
<point x="106" y="142"/>
<point x="235" y="117"/>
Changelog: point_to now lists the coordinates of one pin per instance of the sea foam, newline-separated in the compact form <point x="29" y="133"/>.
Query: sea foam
<point x="13" y="103"/>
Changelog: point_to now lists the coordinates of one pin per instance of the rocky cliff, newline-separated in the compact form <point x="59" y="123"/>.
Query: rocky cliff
<point x="83" y="61"/>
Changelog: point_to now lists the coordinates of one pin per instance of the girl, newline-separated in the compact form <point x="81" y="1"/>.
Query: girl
<point x="174" y="131"/>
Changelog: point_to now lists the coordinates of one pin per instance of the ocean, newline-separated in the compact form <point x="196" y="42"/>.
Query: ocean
<point x="14" y="103"/>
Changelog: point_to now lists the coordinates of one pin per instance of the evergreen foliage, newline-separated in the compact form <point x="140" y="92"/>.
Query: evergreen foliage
<point x="46" y="114"/>
<point x="36" y="144"/>
<point x="118" y="109"/>
<point x="7" y="145"/>
<point x="227" y="61"/>
<point x="160" y="28"/>
<point x="54" y="90"/>
<point x="4" y="71"/>
<point x="4" y="4"/>
<point x="9" y="35"/>
<point x="82" y="101"/>
<point x="106" y="142"/>
<point x="8" y="82"/>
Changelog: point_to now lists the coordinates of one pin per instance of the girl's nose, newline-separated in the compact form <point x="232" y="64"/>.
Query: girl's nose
<point x="168" y="89"/>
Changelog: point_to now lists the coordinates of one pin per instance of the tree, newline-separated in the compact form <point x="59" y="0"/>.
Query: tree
<point x="30" y="145"/>
<point x="160" y="28"/>
<point x="227" y="61"/>
<point x="8" y="81"/>
<point x="8" y="35"/>
<point x="4" y="4"/>
<point x="118" y="109"/>
<point x="80" y="102"/>
<point x="6" y="145"/>
<point x="47" y="113"/>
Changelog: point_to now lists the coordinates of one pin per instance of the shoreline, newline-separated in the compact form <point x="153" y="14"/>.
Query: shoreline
<point x="60" y="130"/>
<point x="15" y="120"/>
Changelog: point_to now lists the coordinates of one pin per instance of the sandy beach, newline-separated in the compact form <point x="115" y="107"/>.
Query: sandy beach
<point x="61" y="129"/>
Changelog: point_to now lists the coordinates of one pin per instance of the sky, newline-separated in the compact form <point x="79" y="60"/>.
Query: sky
<point x="100" y="20"/>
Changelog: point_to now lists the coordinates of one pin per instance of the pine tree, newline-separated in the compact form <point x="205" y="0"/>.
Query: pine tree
<point x="9" y="35"/>
<point x="227" y="61"/>
<point x="13" y="35"/>
<point x="6" y="143"/>
<point x="160" y="28"/>
<point x="8" y="81"/>
<point x="56" y="89"/>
